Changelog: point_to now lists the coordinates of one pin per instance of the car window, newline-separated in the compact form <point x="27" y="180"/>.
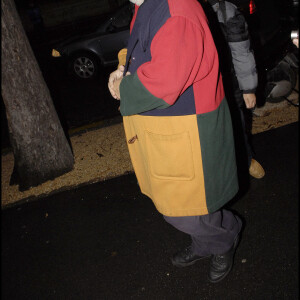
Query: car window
<point x="122" y="20"/>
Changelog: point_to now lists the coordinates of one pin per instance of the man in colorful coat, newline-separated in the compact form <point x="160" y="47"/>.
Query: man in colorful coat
<point x="178" y="128"/>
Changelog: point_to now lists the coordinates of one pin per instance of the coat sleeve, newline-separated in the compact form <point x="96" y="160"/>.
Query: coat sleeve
<point x="176" y="56"/>
<point x="242" y="55"/>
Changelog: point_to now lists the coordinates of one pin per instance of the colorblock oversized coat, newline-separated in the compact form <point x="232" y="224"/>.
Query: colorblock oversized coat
<point x="176" y="118"/>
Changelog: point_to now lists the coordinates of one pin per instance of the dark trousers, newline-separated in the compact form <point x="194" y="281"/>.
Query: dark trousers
<point x="211" y="234"/>
<point x="245" y="119"/>
<point x="246" y="134"/>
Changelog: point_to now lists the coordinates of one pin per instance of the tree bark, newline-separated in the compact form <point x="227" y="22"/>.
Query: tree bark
<point x="40" y="147"/>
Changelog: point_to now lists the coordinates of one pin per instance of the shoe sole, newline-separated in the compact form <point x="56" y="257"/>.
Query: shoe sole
<point x="236" y="243"/>
<point x="182" y="265"/>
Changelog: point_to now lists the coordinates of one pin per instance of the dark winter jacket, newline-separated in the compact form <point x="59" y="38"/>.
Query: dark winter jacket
<point x="235" y="31"/>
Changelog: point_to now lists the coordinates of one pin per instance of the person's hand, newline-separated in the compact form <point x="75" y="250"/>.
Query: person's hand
<point x="116" y="75"/>
<point x="116" y="86"/>
<point x="250" y="100"/>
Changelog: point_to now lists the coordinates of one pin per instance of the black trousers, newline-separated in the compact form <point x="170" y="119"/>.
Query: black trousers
<point x="241" y="118"/>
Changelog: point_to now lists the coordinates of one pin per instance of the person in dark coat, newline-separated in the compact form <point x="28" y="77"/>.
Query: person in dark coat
<point x="238" y="67"/>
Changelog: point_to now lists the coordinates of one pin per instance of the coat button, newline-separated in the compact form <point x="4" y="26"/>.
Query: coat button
<point x="133" y="139"/>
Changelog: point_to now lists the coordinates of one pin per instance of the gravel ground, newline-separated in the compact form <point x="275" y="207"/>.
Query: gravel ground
<point x="102" y="154"/>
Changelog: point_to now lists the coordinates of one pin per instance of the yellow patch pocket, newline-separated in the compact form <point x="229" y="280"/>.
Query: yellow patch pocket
<point x="170" y="157"/>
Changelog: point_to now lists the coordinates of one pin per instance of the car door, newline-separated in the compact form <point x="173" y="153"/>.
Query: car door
<point x="116" y="36"/>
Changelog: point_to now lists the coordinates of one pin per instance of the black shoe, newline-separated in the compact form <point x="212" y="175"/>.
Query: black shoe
<point x="186" y="257"/>
<point x="221" y="264"/>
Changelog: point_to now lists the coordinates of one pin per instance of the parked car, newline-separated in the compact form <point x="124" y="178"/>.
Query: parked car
<point x="86" y="54"/>
<point x="270" y="24"/>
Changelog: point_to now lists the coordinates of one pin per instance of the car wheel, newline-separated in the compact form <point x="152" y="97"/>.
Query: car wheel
<point x="84" y="66"/>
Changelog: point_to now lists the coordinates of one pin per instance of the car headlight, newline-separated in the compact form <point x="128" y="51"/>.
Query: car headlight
<point x="55" y="53"/>
<point x="295" y="37"/>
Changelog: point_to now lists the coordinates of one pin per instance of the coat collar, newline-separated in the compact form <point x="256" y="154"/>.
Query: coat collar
<point x="137" y="2"/>
<point x="144" y="13"/>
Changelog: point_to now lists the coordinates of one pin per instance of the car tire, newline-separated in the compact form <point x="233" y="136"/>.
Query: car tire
<point x="84" y="66"/>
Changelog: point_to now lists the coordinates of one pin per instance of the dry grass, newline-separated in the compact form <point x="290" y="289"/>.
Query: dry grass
<point x="276" y="115"/>
<point x="99" y="155"/>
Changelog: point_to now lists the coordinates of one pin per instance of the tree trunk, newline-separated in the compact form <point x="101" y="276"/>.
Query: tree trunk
<point x="40" y="147"/>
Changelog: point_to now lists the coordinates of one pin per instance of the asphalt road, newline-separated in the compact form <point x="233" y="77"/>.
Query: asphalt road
<point x="107" y="241"/>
